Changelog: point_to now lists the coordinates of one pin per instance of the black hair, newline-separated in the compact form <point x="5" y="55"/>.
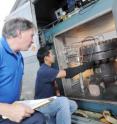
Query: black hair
<point x="42" y="52"/>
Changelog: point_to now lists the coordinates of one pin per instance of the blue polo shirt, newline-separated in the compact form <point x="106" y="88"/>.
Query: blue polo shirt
<point x="11" y="71"/>
<point x="44" y="87"/>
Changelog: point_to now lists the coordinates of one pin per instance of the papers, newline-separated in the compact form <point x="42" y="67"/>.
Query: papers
<point x="37" y="103"/>
<point x="34" y="104"/>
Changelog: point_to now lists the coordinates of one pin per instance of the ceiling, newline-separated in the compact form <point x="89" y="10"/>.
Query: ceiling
<point x="45" y="10"/>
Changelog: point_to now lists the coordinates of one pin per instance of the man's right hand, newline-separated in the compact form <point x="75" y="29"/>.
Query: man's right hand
<point x="71" y="72"/>
<point x="17" y="112"/>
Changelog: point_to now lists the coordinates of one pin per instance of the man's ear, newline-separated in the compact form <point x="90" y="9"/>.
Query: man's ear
<point x="18" y="32"/>
<point x="45" y="58"/>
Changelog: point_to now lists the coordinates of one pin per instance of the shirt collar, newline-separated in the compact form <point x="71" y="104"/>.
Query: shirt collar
<point x="46" y="65"/>
<point x="6" y="45"/>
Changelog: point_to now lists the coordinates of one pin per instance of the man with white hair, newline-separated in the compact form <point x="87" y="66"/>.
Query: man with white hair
<point x="17" y="35"/>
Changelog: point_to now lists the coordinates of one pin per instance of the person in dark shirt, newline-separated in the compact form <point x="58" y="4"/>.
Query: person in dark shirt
<point x="60" y="109"/>
<point x="45" y="81"/>
<point x="47" y="75"/>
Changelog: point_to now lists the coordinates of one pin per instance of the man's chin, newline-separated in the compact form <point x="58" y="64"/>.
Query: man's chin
<point x="25" y="49"/>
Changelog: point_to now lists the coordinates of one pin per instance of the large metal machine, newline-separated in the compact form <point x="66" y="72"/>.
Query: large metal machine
<point x="89" y="35"/>
<point x="105" y="70"/>
<point x="104" y="55"/>
<point x="103" y="75"/>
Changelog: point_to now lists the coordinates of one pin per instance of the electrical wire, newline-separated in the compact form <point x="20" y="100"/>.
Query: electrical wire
<point x="90" y="5"/>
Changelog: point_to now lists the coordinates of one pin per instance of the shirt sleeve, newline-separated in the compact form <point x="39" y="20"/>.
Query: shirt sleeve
<point x="0" y="57"/>
<point x="50" y="74"/>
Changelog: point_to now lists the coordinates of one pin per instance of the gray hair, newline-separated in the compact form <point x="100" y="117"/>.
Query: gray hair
<point x="11" y="26"/>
